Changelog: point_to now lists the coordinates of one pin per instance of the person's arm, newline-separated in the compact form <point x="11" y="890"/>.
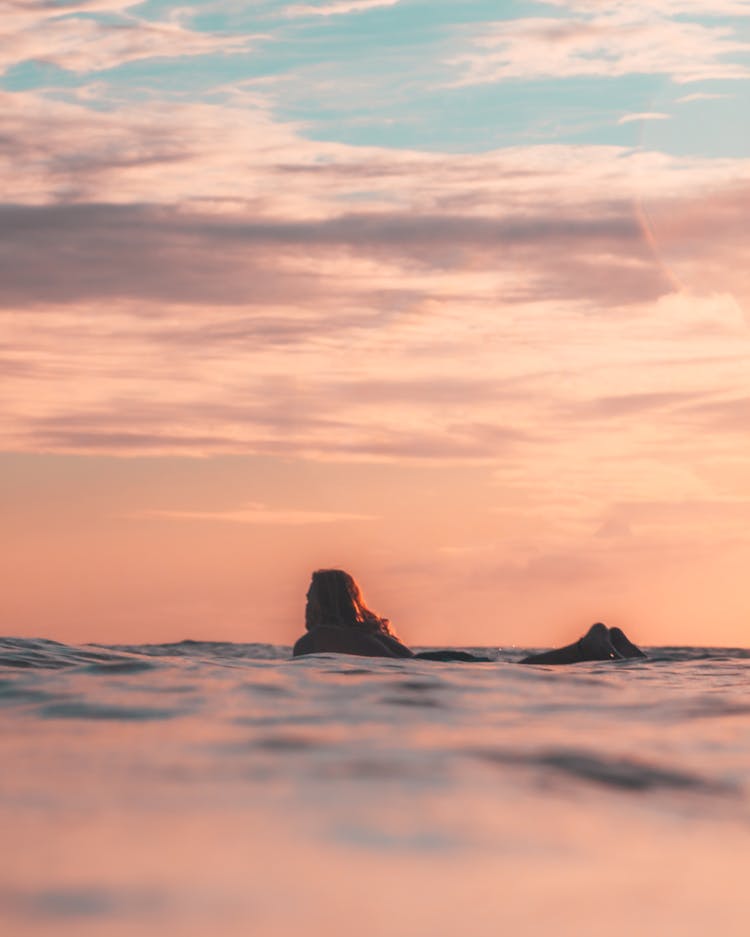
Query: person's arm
<point x="450" y="654"/>
<point x="570" y="654"/>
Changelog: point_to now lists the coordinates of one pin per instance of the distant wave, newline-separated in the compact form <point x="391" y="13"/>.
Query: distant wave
<point x="252" y="712"/>
<point x="130" y="658"/>
<point x="46" y="654"/>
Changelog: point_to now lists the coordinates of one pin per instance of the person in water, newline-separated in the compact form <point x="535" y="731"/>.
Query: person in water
<point x="338" y="621"/>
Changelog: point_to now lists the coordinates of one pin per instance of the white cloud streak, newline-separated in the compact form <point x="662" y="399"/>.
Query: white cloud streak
<point x="698" y="8"/>
<point x="340" y="8"/>
<point x="645" y="115"/>
<point x="701" y="96"/>
<point x="612" y="43"/>
<point x="40" y="33"/>
<point x="259" y="514"/>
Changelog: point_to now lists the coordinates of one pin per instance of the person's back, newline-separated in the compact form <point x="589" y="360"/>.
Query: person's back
<point x="327" y="639"/>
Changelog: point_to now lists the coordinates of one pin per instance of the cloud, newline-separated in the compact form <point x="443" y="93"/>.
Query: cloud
<point x="646" y="115"/>
<point x="53" y="8"/>
<point x="193" y="280"/>
<point x="612" y="43"/>
<point x="701" y="96"/>
<point x="262" y="515"/>
<point x="628" y="405"/>
<point x="723" y="415"/>
<point x="309" y="418"/>
<point x="226" y="218"/>
<point x="84" y="44"/>
<point x="158" y="253"/>
<point x="151" y="151"/>
<point x="238" y="158"/>
<point x="337" y="8"/>
<point x="704" y="8"/>
<point x="35" y="10"/>
<point x="722" y="264"/>
<point x="682" y="513"/>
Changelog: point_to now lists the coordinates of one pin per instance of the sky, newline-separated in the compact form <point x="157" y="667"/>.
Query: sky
<point x="453" y="294"/>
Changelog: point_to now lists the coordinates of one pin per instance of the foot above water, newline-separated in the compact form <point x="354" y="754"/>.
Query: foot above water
<point x="599" y="643"/>
<point x="596" y="644"/>
<point x="623" y="645"/>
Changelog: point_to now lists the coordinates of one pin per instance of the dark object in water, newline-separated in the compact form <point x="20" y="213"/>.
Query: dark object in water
<point x="599" y="643"/>
<point x="333" y="639"/>
<point x="623" y="645"/>
<point x="339" y="622"/>
<point x="448" y="655"/>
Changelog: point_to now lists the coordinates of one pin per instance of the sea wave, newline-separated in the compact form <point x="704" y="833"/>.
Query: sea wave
<point x="128" y="658"/>
<point x="145" y="785"/>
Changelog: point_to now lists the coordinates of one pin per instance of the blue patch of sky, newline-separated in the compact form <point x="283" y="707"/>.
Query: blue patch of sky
<point x="422" y="15"/>
<point x="195" y="77"/>
<point x="31" y="75"/>
<point x="383" y="77"/>
<point x="475" y="118"/>
<point x="715" y="127"/>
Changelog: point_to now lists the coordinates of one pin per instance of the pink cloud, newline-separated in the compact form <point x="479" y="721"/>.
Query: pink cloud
<point x="337" y="8"/>
<point x="644" y="115"/>
<point x="41" y="33"/>
<point x="260" y="514"/>
<point x="222" y="298"/>
<point x="705" y="8"/>
<point x="701" y="96"/>
<point x="616" y="42"/>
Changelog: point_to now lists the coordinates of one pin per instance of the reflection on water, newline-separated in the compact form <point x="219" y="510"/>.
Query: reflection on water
<point x="225" y="789"/>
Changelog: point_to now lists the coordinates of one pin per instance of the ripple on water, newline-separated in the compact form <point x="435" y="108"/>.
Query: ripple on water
<point x="79" y="709"/>
<point x="83" y="902"/>
<point x="266" y="689"/>
<point x="288" y="742"/>
<point x="423" y="702"/>
<point x="110" y="668"/>
<point x="12" y="692"/>
<point x="352" y="672"/>
<point x="610" y="771"/>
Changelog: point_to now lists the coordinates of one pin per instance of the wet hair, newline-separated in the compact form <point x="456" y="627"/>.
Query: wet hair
<point x="336" y="600"/>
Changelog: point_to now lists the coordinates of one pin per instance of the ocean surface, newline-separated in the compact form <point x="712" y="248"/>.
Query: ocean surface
<point x="224" y="789"/>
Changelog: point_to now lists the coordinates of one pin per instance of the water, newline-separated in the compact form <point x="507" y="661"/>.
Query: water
<point x="224" y="789"/>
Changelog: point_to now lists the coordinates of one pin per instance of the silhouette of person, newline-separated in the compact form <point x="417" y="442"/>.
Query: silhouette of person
<point x="338" y="621"/>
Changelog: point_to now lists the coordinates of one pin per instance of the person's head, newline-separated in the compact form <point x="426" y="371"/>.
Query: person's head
<point x="334" y="598"/>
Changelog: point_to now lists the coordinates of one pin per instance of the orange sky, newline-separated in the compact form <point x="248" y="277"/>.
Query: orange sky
<point x="106" y="549"/>
<point x="493" y="360"/>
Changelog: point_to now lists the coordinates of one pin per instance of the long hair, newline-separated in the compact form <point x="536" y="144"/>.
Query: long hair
<point x="334" y="598"/>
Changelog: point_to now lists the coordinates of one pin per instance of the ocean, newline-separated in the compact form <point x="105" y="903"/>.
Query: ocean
<point x="222" y="790"/>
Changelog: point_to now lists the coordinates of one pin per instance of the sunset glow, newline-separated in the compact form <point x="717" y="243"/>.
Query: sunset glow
<point x="451" y="295"/>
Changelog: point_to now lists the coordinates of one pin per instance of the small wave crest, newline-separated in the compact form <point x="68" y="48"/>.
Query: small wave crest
<point x="29" y="653"/>
<point x="612" y="771"/>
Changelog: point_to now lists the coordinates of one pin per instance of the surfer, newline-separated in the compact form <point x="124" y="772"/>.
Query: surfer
<point x="338" y="621"/>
